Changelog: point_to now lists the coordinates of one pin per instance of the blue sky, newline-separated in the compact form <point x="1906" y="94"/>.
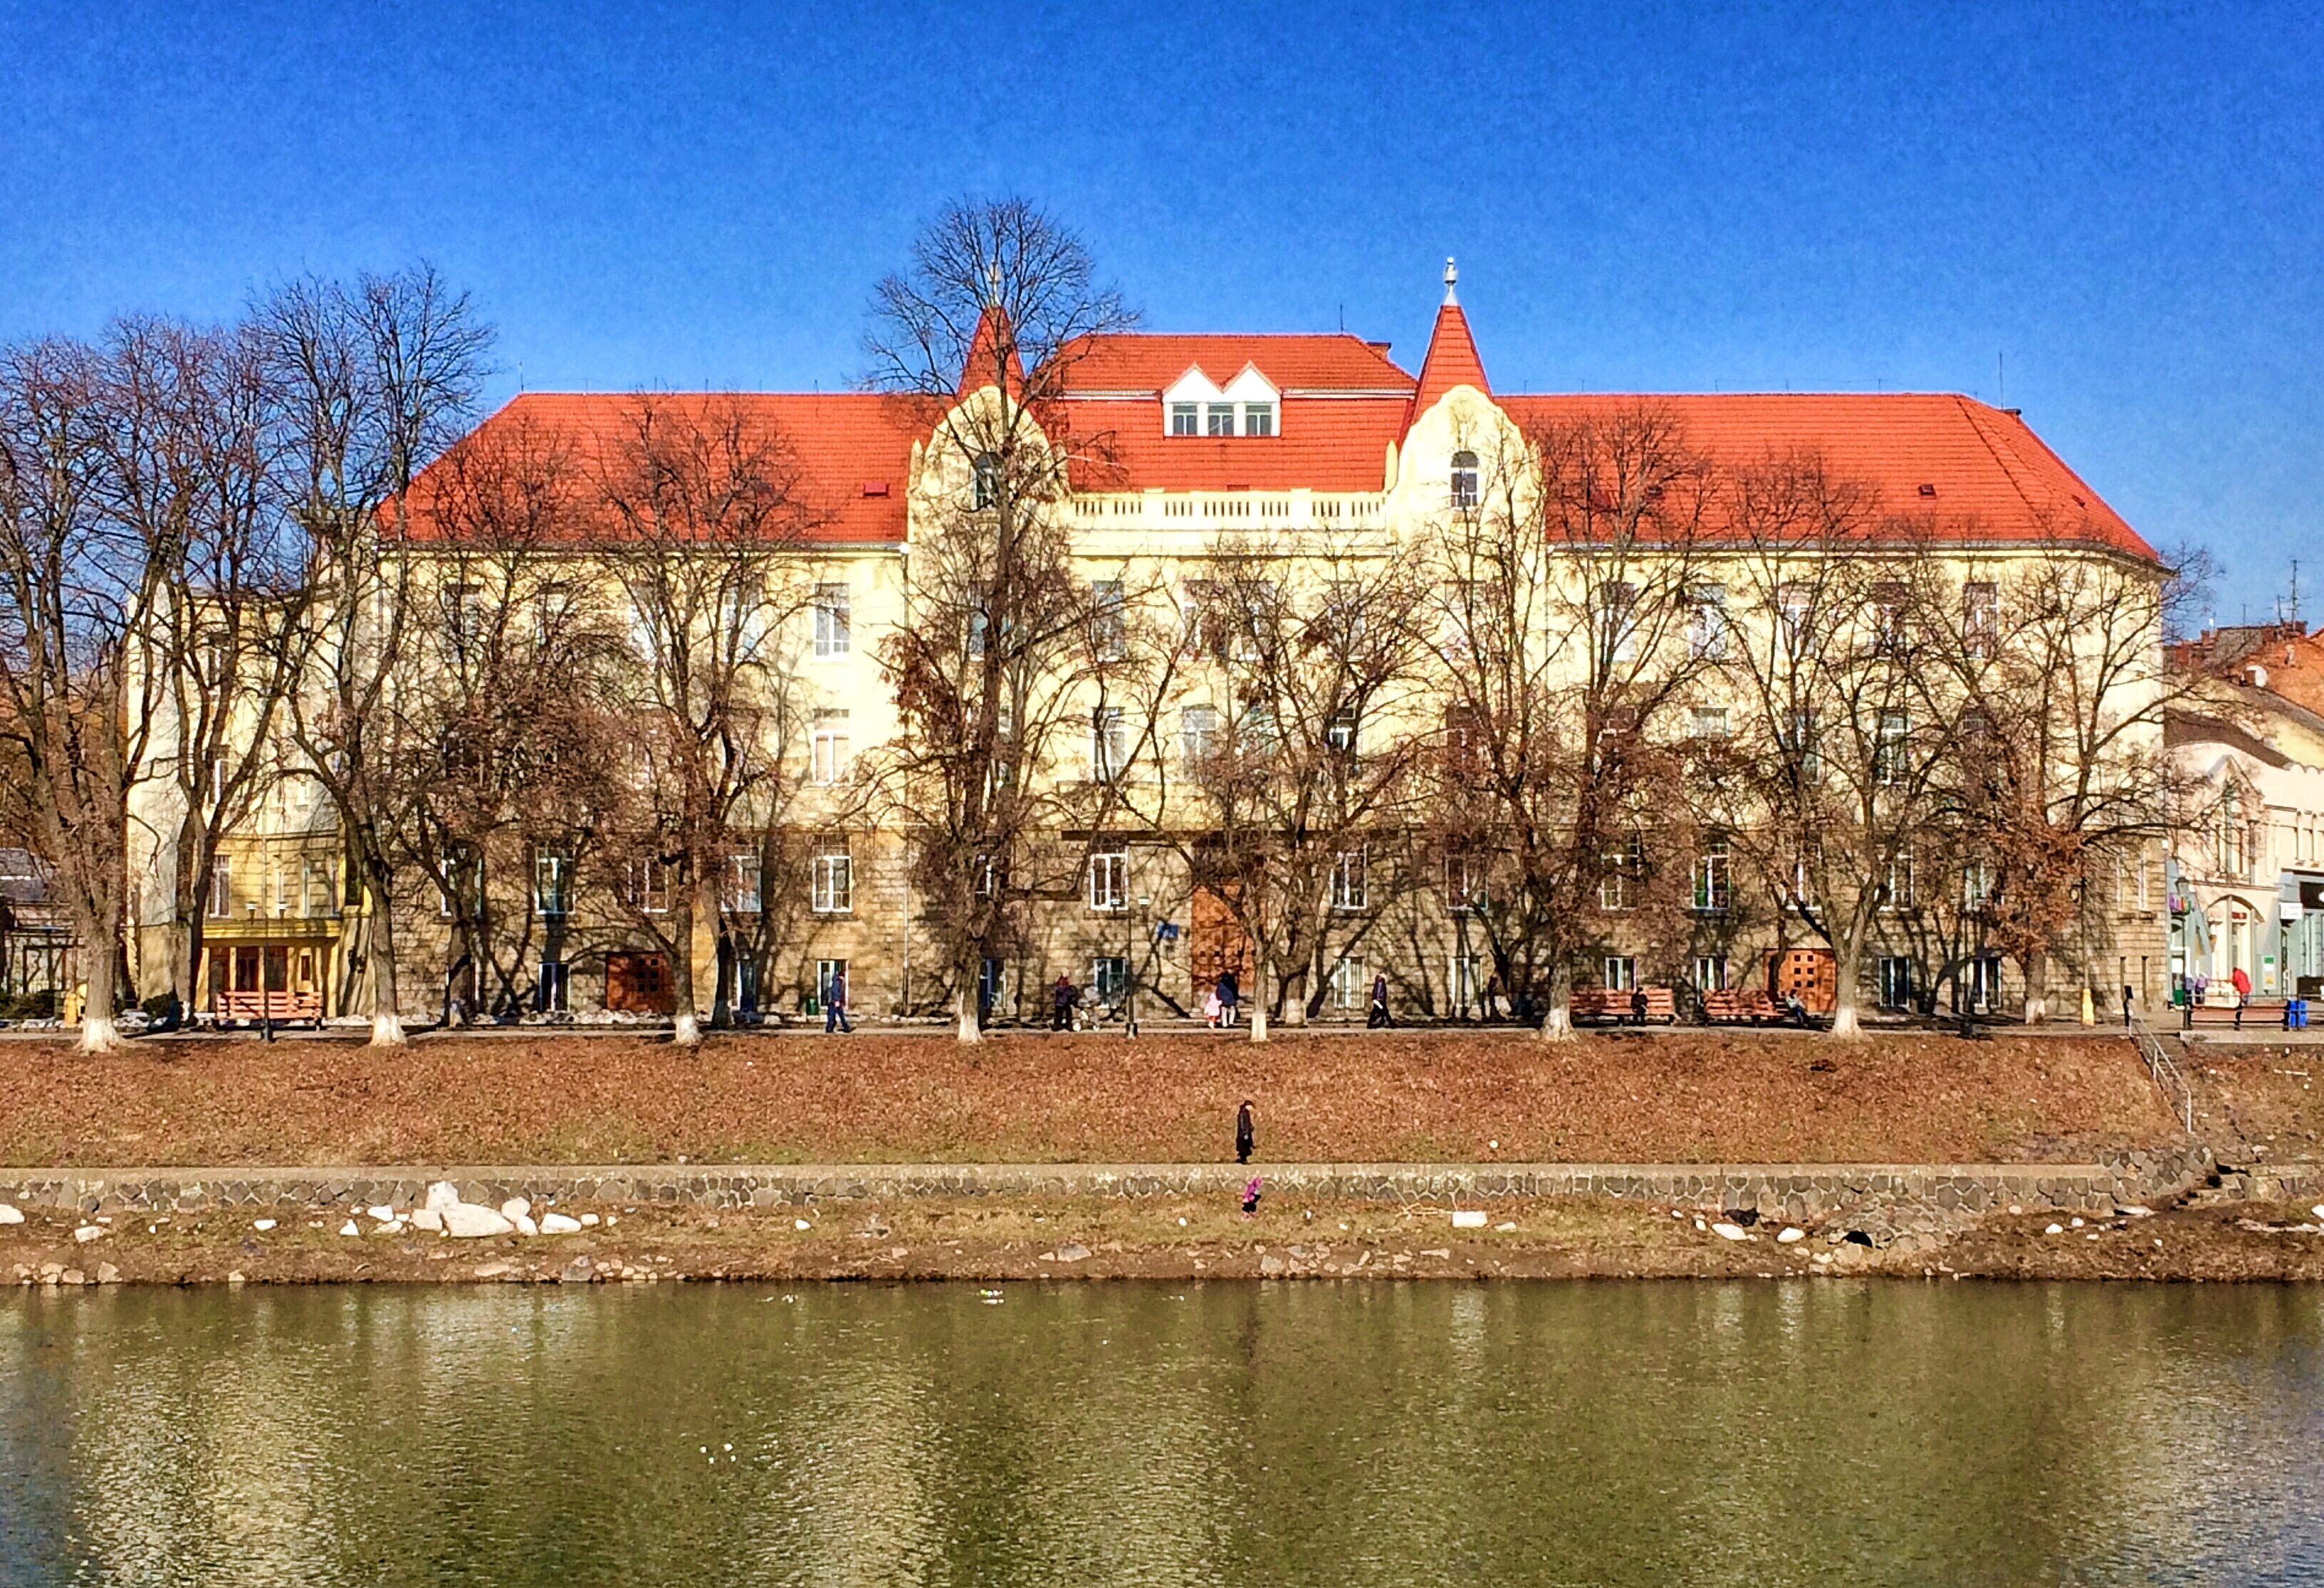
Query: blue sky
<point x="2127" y="205"/>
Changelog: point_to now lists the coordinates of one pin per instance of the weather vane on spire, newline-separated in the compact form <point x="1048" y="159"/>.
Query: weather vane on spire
<point x="1451" y="274"/>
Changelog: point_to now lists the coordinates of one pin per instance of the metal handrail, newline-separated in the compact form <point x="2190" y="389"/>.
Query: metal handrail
<point x="2176" y="1093"/>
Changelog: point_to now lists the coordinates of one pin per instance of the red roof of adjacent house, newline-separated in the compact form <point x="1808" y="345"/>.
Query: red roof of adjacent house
<point x="1991" y="478"/>
<point x="852" y="450"/>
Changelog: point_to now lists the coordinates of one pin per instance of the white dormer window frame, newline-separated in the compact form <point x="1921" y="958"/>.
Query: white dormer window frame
<point x="1249" y="404"/>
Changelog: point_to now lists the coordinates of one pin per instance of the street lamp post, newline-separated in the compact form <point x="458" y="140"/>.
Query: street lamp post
<point x="265" y="1000"/>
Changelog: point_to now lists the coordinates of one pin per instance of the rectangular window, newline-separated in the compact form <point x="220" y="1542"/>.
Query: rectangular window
<point x="743" y="884"/>
<point x="1806" y="754"/>
<point x="1186" y="419"/>
<point x="1794" y="609"/>
<point x="1464" y="880"/>
<point x="1258" y="418"/>
<point x="1618" y="615"/>
<point x="464" y="613"/>
<point x="1350" y="889"/>
<point x="1110" y="977"/>
<point x="829" y="761"/>
<point x="1714" y="884"/>
<point x="1220" y="416"/>
<point x="1347" y="983"/>
<point x="1895" y="981"/>
<point x="827" y="971"/>
<point x="552" y="885"/>
<point x="1711" y="973"/>
<point x="1620" y="973"/>
<point x="833" y="891"/>
<point x="554" y="987"/>
<point x="1109" y="875"/>
<point x="1109" y="743"/>
<point x="1711" y="722"/>
<point x="1897" y="888"/>
<point x="1985" y="981"/>
<point x="1706" y="629"/>
<point x="1109" y="621"/>
<point x="1890" y="604"/>
<point x="1198" y="730"/>
<point x="1618" y="882"/>
<point x="221" y="888"/>
<point x="1889" y="766"/>
<point x="1465" y="981"/>
<point x="831" y="620"/>
<point x="1980" y="618"/>
<point x="648" y="887"/>
<point x="1340" y="733"/>
<point x="1976" y="884"/>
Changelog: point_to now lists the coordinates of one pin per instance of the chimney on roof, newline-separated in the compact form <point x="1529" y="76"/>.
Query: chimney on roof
<point x="1451" y="275"/>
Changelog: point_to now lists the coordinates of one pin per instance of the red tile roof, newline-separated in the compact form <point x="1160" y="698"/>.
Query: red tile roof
<point x="1327" y="444"/>
<point x="1451" y="361"/>
<point x="1993" y="477"/>
<point x="840" y="442"/>
<point x="1141" y="361"/>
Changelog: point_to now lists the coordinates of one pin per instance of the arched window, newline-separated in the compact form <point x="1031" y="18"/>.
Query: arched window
<point x="1464" y="478"/>
<point x="988" y="480"/>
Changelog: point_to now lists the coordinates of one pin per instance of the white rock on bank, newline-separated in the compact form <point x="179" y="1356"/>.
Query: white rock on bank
<point x="351" y="1228"/>
<point x="558" y="1223"/>
<point x="383" y="1213"/>
<point x="1468" y="1219"/>
<point x="1729" y="1232"/>
<point x="261" y="1224"/>
<point x="589" y="1218"/>
<point x="428" y="1218"/>
<point x="11" y="1214"/>
<point x="1789" y="1236"/>
<point x="525" y="1226"/>
<point x="443" y="1194"/>
<point x="467" y="1221"/>
<point x="514" y="1208"/>
<point x="2055" y="1229"/>
<point x="2318" y="1210"/>
<point x="89" y="1232"/>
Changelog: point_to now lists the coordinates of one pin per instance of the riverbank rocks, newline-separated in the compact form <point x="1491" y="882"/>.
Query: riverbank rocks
<point x="559" y="1223"/>
<point x="466" y="1221"/>
<point x="10" y="1215"/>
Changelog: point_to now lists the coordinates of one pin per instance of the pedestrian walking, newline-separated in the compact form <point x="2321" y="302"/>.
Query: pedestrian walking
<point x="1062" y="998"/>
<point x="834" y="1004"/>
<point x="2126" y="1006"/>
<point x="1246" y="1132"/>
<point x="1378" y="1015"/>
<point x="1250" y="1197"/>
<point x="1210" y="1007"/>
<point x="1230" y="994"/>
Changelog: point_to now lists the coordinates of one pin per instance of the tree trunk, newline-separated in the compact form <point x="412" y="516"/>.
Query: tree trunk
<point x="98" y="1032"/>
<point x="1557" y="1020"/>
<point x="686" y="1019"/>
<point x="1261" y="966"/>
<point x="1846" y="956"/>
<point x="379" y="961"/>
<point x="972" y="1029"/>
<point x="2037" y="988"/>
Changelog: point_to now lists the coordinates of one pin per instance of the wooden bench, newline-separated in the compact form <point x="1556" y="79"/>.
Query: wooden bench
<point x="2253" y="1014"/>
<point x="1613" y="1003"/>
<point x="1732" y="1004"/>
<point x="284" y="1007"/>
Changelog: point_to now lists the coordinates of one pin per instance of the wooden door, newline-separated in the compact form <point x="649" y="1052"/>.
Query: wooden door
<point x="639" y="984"/>
<point x="1804" y="973"/>
<point x="1216" y="943"/>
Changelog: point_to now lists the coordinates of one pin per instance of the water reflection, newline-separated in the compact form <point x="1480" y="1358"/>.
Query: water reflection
<point x="1389" y="1434"/>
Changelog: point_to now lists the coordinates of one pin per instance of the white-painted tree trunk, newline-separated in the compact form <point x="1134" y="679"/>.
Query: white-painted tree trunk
<point x="386" y="1029"/>
<point x="685" y="1030"/>
<point x="1844" y="1023"/>
<point x="1557" y="1025"/>
<point x="1259" y="1019"/>
<point x="971" y="1030"/>
<point x="99" y="1033"/>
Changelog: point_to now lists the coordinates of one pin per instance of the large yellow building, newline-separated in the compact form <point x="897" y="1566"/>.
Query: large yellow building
<point x="1315" y="445"/>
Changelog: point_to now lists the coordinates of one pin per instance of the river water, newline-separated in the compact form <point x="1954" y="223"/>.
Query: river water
<point x="1825" y="1432"/>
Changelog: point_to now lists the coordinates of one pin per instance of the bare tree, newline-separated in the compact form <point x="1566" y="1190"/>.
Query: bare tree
<point x="77" y="585"/>
<point x="2055" y="773"/>
<point x="1576" y="619"/>
<point x="992" y="663"/>
<point x="1834" y="775"/>
<point x="375" y="379"/>
<point x="704" y="519"/>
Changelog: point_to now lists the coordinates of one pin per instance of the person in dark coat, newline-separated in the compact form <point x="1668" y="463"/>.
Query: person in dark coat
<point x="1638" y="1005"/>
<point x="834" y="1004"/>
<point x="1246" y="1132"/>
<point x="1378" y="1015"/>
<point x="1062" y="999"/>
<point x="1229" y="993"/>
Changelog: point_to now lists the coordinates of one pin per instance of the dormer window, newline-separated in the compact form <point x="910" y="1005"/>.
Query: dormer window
<point x="1222" y="418"/>
<point x="1464" y="479"/>
<point x="1186" y="419"/>
<point x="1258" y="418"/>
<point x="1195" y="405"/>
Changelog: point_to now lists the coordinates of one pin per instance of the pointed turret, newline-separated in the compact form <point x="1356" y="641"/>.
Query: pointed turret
<point x="995" y="340"/>
<point x="1452" y="358"/>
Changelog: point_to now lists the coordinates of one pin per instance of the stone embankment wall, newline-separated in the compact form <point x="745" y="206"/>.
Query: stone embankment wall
<point x="1795" y="1191"/>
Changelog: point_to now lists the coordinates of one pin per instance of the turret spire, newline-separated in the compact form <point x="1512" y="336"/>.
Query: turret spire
<point x="1451" y="275"/>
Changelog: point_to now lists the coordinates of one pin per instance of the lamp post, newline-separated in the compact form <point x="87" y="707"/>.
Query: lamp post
<point x="265" y="999"/>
